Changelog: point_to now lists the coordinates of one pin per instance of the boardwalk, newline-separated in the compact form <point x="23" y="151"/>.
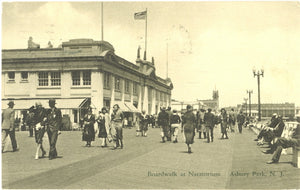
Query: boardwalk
<point x="144" y="163"/>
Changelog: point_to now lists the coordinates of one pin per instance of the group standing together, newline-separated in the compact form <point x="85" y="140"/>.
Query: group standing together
<point x="41" y="120"/>
<point x="203" y="122"/>
<point x="110" y="128"/>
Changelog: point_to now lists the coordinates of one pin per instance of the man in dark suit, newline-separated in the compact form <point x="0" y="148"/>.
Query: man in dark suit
<point x="241" y="120"/>
<point x="163" y="122"/>
<point x="209" y="120"/>
<point x="8" y="128"/>
<point x="54" y="124"/>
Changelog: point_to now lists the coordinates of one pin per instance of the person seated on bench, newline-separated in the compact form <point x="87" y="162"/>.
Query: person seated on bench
<point x="274" y="129"/>
<point x="283" y="142"/>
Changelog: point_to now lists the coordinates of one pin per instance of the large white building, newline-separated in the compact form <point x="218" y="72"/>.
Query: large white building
<point x="81" y="73"/>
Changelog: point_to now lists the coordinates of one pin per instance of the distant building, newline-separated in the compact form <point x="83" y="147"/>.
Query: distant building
<point x="81" y="73"/>
<point x="198" y="104"/>
<point x="212" y="103"/>
<point x="286" y="110"/>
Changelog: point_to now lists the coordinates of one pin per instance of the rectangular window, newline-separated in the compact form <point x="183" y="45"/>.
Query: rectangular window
<point x="76" y="78"/>
<point x="156" y="95"/>
<point x="86" y="76"/>
<point x="43" y="78"/>
<point x="106" y="80"/>
<point x="117" y="83"/>
<point x="11" y="76"/>
<point x="24" y="75"/>
<point x="127" y="86"/>
<point x="134" y="88"/>
<point x="55" y="79"/>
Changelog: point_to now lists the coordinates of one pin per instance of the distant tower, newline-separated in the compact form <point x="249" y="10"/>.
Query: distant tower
<point x="215" y="95"/>
<point x="216" y="99"/>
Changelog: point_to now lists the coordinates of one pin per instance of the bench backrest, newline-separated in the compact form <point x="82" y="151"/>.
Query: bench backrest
<point x="289" y="129"/>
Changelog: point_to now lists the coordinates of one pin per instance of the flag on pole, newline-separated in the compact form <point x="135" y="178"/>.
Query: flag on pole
<point x="140" y="15"/>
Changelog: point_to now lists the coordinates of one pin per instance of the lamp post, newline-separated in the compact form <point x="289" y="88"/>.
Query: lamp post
<point x="257" y="74"/>
<point x="245" y="99"/>
<point x="249" y="92"/>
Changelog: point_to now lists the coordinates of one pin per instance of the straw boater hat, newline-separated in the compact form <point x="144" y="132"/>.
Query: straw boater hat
<point x="11" y="102"/>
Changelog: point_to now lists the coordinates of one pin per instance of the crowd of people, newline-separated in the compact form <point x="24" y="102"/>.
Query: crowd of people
<point x="109" y="127"/>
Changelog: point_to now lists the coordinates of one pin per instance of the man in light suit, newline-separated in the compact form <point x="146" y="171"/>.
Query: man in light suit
<point x="8" y="120"/>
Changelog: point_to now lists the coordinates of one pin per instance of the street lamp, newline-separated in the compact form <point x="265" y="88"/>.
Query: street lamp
<point x="258" y="74"/>
<point x="249" y="92"/>
<point x="245" y="99"/>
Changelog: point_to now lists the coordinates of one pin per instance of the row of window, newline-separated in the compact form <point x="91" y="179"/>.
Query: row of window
<point x="83" y="78"/>
<point x="54" y="78"/>
<point x="11" y="76"/>
<point x="118" y="85"/>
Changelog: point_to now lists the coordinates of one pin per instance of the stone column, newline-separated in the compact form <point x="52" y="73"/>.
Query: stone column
<point x="112" y="98"/>
<point x="33" y="79"/>
<point x="97" y="90"/>
<point x="140" y="98"/>
<point x="153" y="101"/>
<point x="66" y="83"/>
<point x="122" y="82"/>
<point x="145" y="100"/>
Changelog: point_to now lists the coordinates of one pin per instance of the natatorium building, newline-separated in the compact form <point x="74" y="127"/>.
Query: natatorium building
<point x="82" y="72"/>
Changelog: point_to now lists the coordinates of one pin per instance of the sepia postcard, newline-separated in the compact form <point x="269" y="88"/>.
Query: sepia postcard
<point x="150" y="94"/>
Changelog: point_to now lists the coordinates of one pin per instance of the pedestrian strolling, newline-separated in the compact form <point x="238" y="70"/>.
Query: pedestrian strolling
<point x="189" y="121"/>
<point x="117" y="118"/>
<point x="232" y="120"/>
<point x="241" y="120"/>
<point x="144" y="124"/>
<point x="8" y="126"/>
<point x="54" y="125"/>
<point x="209" y="119"/>
<point x="88" y="134"/>
<point x="224" y="123"/>
<point x="163" y="123"/>
<point x="40" y="116"/>
<point x="103" y="126"/>
<point x="200" y="123"/>
<point x="175" y="124"/>
<point x="169" y="124"/>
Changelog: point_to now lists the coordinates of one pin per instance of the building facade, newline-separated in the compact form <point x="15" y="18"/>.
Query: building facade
<point x="81" y="73"/>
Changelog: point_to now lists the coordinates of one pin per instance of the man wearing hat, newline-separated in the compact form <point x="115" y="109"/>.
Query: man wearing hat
<point x="54" y="124"/>
<point x="163" y="123"/>
<point x="8" y="120"/>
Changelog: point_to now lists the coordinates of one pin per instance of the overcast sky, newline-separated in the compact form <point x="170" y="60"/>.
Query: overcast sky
<point x="211" y="44"/>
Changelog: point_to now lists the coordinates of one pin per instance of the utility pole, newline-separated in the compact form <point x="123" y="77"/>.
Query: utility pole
<point x="249" y="92"/>
<point x="258" y="74"/>
<point x="245" y="99"/>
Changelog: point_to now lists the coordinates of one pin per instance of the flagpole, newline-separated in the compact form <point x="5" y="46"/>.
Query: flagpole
<point x="167" y="60"/>
<point x="146" y="32"/>
<point x="102" y="21"/>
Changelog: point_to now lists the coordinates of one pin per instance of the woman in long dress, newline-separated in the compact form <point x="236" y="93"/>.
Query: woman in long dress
<point x="189" y="122"/>
<point x="88" y="130"/>
<point x="103" y="126"/>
